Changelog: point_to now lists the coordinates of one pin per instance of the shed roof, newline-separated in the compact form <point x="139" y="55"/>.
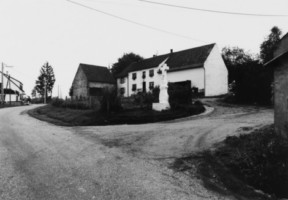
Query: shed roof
<point x="186" y="59"/>
<point x="97" y="73"/>
<point x="276" y="59"/>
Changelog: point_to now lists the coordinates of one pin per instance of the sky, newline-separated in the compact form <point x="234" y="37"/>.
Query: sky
<point x="64" y="33"/>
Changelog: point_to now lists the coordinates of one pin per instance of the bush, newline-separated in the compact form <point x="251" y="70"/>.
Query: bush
<point x="72" y="104"/>
<point x="179" y="95"/>
<point x="57" y="102"/>
<point x="260" y="159"/>
<point x="110" y="101"/>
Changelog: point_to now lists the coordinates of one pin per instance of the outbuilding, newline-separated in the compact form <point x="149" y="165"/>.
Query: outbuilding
<point x="280" y="66"/>
<point x="90" y="80"/>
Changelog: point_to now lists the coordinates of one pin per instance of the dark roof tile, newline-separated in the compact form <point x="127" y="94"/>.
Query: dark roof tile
<point x="97" y="73"/>
<point x="186" y="59"/>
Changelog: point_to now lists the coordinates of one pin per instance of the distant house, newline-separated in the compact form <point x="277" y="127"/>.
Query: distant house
<point x="280" y="65"/>
<point x="202" y="67"/>
<point x="90" y="81"/>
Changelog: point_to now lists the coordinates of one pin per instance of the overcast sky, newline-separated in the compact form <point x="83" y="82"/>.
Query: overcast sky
<point x="65" y="34"/>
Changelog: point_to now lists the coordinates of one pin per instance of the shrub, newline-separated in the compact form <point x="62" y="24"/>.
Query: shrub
<point x="73" y="104"/>
<point x="260" y="159"/>
<point x="179" y="95"/>
<point x="155" y="93"/>
<point x="57" y="102"/>
<point x="110" y="100"/>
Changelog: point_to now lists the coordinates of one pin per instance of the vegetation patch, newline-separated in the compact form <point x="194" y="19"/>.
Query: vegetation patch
<point x="75" y="117"/>
<point x="251" y="166"/>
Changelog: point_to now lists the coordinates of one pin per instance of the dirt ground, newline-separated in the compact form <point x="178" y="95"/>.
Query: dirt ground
<point x="43" y="161"/>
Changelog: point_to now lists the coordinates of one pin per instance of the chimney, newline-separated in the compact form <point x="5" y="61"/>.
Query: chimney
<point x="171" y="51"/>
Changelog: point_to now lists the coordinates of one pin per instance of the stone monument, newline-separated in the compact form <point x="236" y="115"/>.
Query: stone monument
<point x="163" y="95"/>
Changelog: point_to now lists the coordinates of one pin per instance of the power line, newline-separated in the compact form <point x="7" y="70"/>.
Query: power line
<point x="134" y="22"/>
<point x="214" y="11"/>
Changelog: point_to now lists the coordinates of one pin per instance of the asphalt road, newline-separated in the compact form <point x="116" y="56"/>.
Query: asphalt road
<point x="43" y="161"/>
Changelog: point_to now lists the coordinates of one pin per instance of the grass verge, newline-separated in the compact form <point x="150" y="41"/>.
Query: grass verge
<point x="251" y="166"/>
<point x="72" y="117"/>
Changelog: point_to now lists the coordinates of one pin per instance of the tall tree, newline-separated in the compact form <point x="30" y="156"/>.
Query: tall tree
<point x="124" y="62"/>
<point x="33" y="93"/>
<point x="269" y="45"/>
<point x="235" y="58"/>
<point x="46" y="78"/>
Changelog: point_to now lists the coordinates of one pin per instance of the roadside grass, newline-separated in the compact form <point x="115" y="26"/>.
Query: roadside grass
<point x="251" y="166"/>
<point x="74" y="117"/>
<point x="9" y="106"/>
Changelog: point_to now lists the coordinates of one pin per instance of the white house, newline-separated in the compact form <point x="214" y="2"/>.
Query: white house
<point x="202" y="66"/>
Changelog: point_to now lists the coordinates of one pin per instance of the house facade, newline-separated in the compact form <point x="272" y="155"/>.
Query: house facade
<point x="280" y="66"/>
<point x="202" y="66"/>
<point x="90" y="80"/>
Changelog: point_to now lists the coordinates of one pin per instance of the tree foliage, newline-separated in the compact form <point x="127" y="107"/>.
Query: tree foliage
<point x="47" y="78"/>
<point x="124" y="62"/>
<point x="268" y="47"/>
<point x="33" y="93"/>
<point x="249" y="80"/>
<point x="235" y="58"/>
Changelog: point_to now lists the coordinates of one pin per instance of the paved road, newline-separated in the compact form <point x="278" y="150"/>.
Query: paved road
<point x="43" y="161"/>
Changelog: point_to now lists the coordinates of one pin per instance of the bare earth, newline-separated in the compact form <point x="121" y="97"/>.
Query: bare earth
<point x="43" y="161"/>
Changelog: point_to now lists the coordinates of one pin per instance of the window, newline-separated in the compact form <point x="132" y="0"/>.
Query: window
<point x="134" y="87"/>
<point x="122" y="91"/>
<point x="144" y="75"/>
<point x="122" y="80"/>
<point x="151" y="85"/>
<point x="151" y="72"/>
<point x="134" y="76"/>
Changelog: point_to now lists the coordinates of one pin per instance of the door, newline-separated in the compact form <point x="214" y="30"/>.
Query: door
<point x="144" y="87"/>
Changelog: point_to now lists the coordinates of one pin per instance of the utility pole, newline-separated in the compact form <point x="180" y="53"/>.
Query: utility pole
<point x="9" y="88"/>
<point x="2" y="83"/>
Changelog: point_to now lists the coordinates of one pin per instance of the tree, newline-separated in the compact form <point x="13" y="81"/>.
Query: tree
<point x="235" y="58"/>
<point x="249" y="80"/>
<point x="33" y="93"/>
<point x="268" y="47"/>
<point x="124" y="62"/>
<point x="47" y="78"/>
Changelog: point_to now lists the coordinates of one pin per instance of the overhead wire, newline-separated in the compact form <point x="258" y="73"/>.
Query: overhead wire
<point x="214" y="11"/>
<point x="133" y="22"/>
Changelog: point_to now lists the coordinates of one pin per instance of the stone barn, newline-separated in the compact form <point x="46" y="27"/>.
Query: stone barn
<point x="280" y="66"/>
<point x="90" y="80"/>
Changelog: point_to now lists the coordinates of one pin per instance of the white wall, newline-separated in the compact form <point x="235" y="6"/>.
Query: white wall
<point x="216" y="74"/>
<point x="123" y="85"/>
<point x="139" y="80"/>
<point x="196" y="76"/>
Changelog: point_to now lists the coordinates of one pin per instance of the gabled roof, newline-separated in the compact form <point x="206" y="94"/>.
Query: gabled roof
<point x="276" y="59"/>
<point x="281" y="54"/>
<point x="97" y="73"/>
<point x="186" y="59"/>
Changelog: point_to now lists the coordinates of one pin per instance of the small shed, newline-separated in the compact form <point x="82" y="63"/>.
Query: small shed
<point x="280" y="66"/>
<point x="90" y="80"/>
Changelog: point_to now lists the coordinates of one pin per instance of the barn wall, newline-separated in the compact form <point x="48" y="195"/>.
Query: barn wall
<point x="100" y="85"/>
<point x="216" y="74"/>
<point x="281" y="97"/>
<point x="80" y="84"/>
